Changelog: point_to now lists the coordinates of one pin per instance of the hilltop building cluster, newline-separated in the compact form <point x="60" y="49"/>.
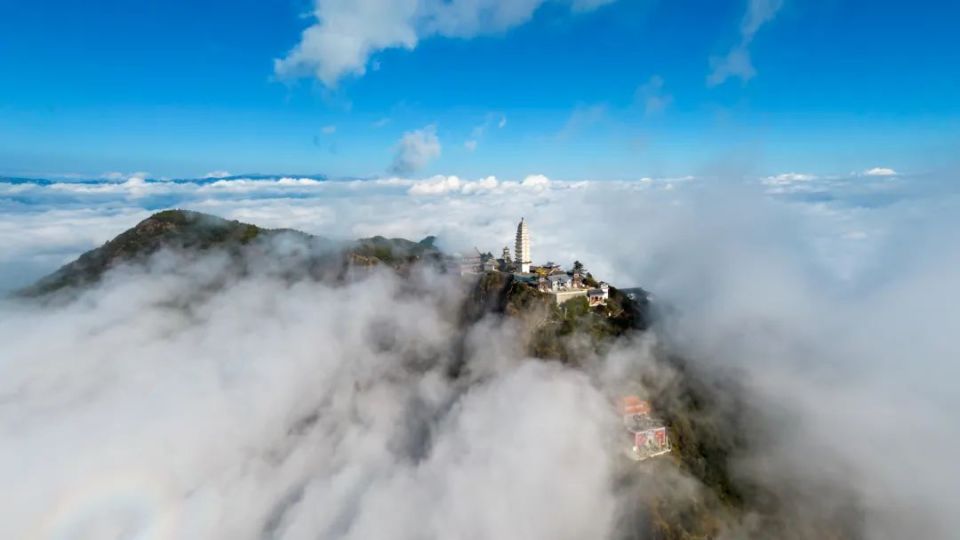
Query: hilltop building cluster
<point x="549" y="277"/>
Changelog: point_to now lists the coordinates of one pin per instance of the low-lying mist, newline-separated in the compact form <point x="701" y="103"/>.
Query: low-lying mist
<point x="153" y="408"/>
<point x="183" y="399"/>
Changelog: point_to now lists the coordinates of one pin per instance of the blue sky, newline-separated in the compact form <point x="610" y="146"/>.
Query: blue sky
<point x="578" y="89"/>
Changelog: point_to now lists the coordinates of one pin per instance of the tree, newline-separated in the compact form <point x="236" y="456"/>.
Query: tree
<point x="578" y="268"/>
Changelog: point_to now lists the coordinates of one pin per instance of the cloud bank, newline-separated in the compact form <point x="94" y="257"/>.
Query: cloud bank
<point x="828" y="298"/>
<point x="271" y="409"/>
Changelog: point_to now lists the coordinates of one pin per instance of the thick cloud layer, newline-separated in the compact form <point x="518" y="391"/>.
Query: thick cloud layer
<point x="153" y="409"/>
<point x="298" y="409"/>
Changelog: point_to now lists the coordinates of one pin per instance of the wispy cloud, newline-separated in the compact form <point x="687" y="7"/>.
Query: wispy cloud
<point x="652" y="96"/>
<point x="477" y="133"/>
<point x="737" y="62"/>
<point x="582" y="117"/>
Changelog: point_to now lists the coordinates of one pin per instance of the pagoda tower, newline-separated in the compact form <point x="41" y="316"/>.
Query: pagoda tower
<point x="522" y="249"/>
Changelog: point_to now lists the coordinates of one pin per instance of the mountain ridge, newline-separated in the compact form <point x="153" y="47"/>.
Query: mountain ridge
<point x="191" y="231"/>
<point x="706" y="416"/>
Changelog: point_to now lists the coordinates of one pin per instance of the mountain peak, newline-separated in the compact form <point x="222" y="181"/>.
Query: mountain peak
<point x="190" y="231"/>
<point x="170" y="228"/>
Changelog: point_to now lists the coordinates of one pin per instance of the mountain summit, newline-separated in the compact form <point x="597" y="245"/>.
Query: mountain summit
<point x="189" y="232"/>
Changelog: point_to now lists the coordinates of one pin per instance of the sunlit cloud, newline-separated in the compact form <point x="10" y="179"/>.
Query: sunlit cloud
<point x="345" y="35"/>
<point x="880" y="171"/>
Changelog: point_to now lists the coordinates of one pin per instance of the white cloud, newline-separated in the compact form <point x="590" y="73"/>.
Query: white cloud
<point x="217" y="174"/>
<point x="346" y="33"/>
<point x="788" y="178"/>
<point x="443" y="185"/>
<point x="122" y="177"/>
<point x="880" y="171"/>
<point x="489" y="183"/>
<point x="280" y="202"/>
<point x="737" y="63"/>
<point x="415" y="150"/>
<point x="289" y="410"/>
<point x="381" y="122"/>
<point x="536" y="182"/>
<point x="329" y="130"/>
<point x="478" y="132"/>
<point x="298" y="182"/>
<point x="438" y="185"/>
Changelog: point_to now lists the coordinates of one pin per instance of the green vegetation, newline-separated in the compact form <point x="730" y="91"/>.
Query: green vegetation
<point x="188" y="232"/>
<point x="172" y="229"/>
<point x="568" y="332"/>
<point x="395" y="252"/>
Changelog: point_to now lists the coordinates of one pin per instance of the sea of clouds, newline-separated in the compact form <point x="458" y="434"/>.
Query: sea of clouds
<point x="278" y="410"/>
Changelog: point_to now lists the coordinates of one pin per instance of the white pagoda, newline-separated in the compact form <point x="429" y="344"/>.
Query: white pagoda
<point x="522" y="250"/>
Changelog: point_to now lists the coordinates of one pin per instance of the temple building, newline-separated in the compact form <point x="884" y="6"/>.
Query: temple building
<point x="549" y="278"/>
<point x="599" y="295"/>
<point x="522" y="249"/>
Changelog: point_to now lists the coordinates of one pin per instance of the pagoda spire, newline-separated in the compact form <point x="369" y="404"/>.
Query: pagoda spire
<point x="522" y="248"/>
